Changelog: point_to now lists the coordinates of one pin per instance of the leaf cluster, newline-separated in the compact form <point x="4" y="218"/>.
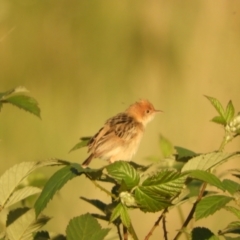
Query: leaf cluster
<point x="154" y="188"/>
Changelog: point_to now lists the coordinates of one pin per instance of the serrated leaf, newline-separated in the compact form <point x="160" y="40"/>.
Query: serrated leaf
<point x="54" y="184"/>
<point x="21" y="194"/>
<point x="27" y="103"/>
<point x="219" y="120"/>
<point x="166" y="146"/>
<point x="10" y="180"/>
<point x="19" y="89"/>
<point x="85" y="227"/>
<point x="116" y="212"/>
<point x="233" y="227"/>
<point x="81" y="144"/>
<point x="207" y="177"/>
<point x="124" y="216"/>
<point x="231" y="186"/>
<point x="201" y="233"/>
<point x="44" y="235"/>
<point x="230" y="111"/>
<point x="149" y="202"/>
<point x="96" y="203"/>
<point x="233" y="210"/>
<point x="14" y="214"/>
<point x="24" y="226"/>
<point x="121" y="211"/>
<point x="165" y="183"/>
<point x="210" y="204"/>
<point x="123" y="171"/>
<point x="217" y="105"/>
<point x="235" y="172"/>
<point x="207" y="161"/>
<point x="138" y="167"/>
<point x="183" y="154"/>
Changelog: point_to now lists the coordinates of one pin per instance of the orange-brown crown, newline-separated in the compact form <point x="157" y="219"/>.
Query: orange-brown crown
<point x="143" y="111"/>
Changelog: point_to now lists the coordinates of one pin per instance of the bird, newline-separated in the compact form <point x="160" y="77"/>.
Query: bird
<point x="120" y="136"/>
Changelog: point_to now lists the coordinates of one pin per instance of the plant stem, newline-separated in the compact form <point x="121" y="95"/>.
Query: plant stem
<point x="103" y="189"/>
<point x="191" y="213"/>
<point x="119" y="232"/>
<point x="155" y="225"/>
<point x="164" y="227"/>
<point x="132" y="232"/>
<point x="125" y="233"/>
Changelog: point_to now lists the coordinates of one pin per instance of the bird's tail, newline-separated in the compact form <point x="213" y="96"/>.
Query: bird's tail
<point x="87" y="161"/>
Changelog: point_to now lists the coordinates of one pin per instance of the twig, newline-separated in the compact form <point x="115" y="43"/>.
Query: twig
<point x="103" y="189"/>
<point x="164" y="227"/>
<point x="155" y="225"/>
<point x="119" y="232"/>
<point x="125" y="233"/>
<point x="191" y="213"/>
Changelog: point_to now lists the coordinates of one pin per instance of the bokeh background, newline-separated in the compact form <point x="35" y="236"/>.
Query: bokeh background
<point x="85" y="61"/>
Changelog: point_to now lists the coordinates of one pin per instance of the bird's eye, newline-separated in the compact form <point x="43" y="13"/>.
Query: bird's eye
<point x="147" y="111"/>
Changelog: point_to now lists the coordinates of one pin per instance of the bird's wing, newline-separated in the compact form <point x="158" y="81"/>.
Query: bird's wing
<point x="123" y="125"/>
<point x="119" y="128"/>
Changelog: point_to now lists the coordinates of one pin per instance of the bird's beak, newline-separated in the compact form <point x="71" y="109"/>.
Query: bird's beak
<point x="157" y="111"/>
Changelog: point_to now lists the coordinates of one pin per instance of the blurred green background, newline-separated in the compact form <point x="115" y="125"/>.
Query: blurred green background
<point x="85" y="61"/>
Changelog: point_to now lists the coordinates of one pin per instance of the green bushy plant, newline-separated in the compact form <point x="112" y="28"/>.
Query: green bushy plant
<point x="152" y="188"/>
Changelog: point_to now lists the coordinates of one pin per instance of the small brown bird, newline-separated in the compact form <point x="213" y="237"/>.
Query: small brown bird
<point x="120" y="136"/>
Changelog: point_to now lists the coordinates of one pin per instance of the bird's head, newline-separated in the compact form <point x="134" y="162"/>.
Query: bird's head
<point x="143" y="111"/>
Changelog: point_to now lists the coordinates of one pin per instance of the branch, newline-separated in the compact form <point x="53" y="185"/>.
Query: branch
<point x="119" y="232"/>
<point x="103" y="189"/>
<point x="191" y="213"/>
<point x="125" y="233"/>
<point x="164" y="227"/>
<point x="155" y="225"/>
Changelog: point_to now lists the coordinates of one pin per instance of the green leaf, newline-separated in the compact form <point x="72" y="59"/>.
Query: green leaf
<point x="217" y="105"/>
<point x="138" y="167"/>
<point x="166" y="183"/>
<point x="150" y="202"/>
<point x="83" y="143"/>
<point x="207" y="161"/>
<point x="233" y="227"/>
<point x="233" y="210"/>
<point x="44" y="235"/>
<point x="124" y="216"/>
<point x="183" y="154"/>
<point x="230" y="111"/>
<point x="25" y="225"/>
<point x="55" y="183"/>
<point x="25" y="102"/>
<point x="19" y="89"/>
<point x="11" y="179"/>
<point x="151" y="195"/>
<point x="123" y="171"/>
<point x="219" y="120"/>
<point x="21" y="194"/>
<point x="85" y="227"/>
<point x="209" y="205"/>
<point x="235" y="172"/>
<point x="166" y="146"/>
<point x="96" y="203"/>
<point x="207" y="177"/>
<point x="116" y="212"/>
<point x="231" y="186"/>
<point x="201" y="233"/>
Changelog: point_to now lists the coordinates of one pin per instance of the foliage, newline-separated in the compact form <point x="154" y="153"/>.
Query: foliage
<point x="133" y="186"/>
